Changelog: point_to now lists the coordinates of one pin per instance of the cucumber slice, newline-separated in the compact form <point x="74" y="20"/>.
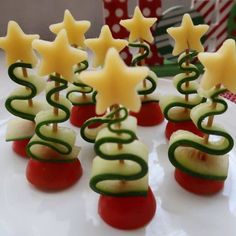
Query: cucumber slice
<point x="207" y="166"/>
<point x="18" y="129"/>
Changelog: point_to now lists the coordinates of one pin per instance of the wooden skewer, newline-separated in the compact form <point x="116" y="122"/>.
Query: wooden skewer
<point x="210" y="119"/>
<point x="55" y="109"/>
<point x="84" y="95"/>
<point x="142" y="63"/>
<point x="187" y="73"/>
<point x="25" y="74"/>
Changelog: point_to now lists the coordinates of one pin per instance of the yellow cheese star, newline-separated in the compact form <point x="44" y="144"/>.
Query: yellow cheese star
<point x="116" y="83"/>
<point x="101" y="45"/>
<point x="139" y="26"/>
<point x="18" y="45"/>
<point x="58" y="56"/>
<point x="220" y="67"/>
<point x="187" y="35"/>
<point x="75" y="29"/>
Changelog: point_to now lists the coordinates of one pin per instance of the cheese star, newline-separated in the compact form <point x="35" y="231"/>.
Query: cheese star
<point x="187" y="35"/>
<point x="116" y="83"/>
<point x="220" y="67"/>
<point x="139" y="26"/>
<point x="75" y="29"/>
<point x="101" y="45"/>
<point x="58" y="56"/>
<point x="18" y="45"/>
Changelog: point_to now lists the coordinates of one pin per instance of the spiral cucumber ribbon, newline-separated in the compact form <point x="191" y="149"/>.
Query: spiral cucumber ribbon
<point x="46" y="144"/>
<point x="75" y="90"/>
<point x="151" y="79"/>
<point x="186" y="148"/>
<point x="174" y="106"/>
<point x="109" y="175"/>
<point x="17" y="102"/>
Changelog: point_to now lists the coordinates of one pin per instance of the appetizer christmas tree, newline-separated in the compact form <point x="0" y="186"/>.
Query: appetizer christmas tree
<point x="177" y="108"/>
<point x="140" y="33"/>
<point x="78" y="93"/>
<point x="54" y="164"/>
<point x="201" y="162"/>
<point x="20" y="57"/>
<point x="120" y="169"/>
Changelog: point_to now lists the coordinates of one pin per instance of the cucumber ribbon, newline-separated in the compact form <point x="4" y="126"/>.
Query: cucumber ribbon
<point x="17" y="102"/>
<point x="175" y="108"/>
<point x="117" y="172"/>
<point x="75" y="90"/>
<point x="210" y="159"/>
<point x="151" y="79"/>
<point x="46" y="144"/>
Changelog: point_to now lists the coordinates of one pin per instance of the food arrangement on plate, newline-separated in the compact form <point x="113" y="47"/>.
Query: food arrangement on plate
<point x="109" y="104"/>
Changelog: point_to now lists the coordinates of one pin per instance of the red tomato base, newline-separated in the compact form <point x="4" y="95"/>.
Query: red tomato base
<point x="53" y="176"/>
<point x="171" y="127"/>
<point x="19" y="147"/>
<point x="79" y="114"/>
<point x="127" y="212"/>
<point x="198" y="185"/>
<point x="150" y="114"/>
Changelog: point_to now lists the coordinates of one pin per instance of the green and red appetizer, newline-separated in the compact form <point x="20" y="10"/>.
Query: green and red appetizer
<point x="21" y="59"/>
<point x="53" y="163"/>
<point x="202" y="162"/>
<point x="120" y="169"/>
<point x="177" y="108"/>
<point x="139" y="26"/>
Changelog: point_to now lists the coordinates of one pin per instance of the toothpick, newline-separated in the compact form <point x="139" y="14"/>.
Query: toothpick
<point x="55" y="109"/>
<point x="25" y="74"/>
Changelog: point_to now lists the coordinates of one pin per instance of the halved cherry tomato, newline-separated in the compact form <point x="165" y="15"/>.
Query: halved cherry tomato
<point x="150" y="114"/>
<point x="171" y="127"/>
<point x="19" y="147"/>
<point x="198" y="185"/>
<point x="53" y="175"/>
<point x="79" y="114"/>
<point x="127" y="212"/>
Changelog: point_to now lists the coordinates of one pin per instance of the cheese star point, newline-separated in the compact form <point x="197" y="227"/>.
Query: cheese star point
<point x="115" y="83"/>
<point x="139" y="26"/>
<point x="18" y="45"/>
<point x="187" y="35"/>
<point x="75" y="29"/>
<point x="101" y="45"/>
<point x="58" y="56"/>
<point x="220" y="67"/>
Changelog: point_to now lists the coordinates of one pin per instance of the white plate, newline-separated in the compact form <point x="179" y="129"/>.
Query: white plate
<point x="26" y="211"/>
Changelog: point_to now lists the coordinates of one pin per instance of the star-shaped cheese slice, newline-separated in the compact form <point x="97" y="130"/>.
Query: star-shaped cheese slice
<point x="101" y="45"/>
<point x="18" y="45"/>
<point x="139" y="26"/>
<point x="58" y="56"/>
<point x="75" y="29"/>
<point x="187" y="35"/>
<point x="115" y="83"/>
<point x="220" y="67"/>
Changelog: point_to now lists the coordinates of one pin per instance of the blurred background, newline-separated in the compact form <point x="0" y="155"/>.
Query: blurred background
<point x="35" y="16"/>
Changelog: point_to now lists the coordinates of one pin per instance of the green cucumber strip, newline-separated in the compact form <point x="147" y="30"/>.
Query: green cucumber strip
<point x="60" y="143"/>
<point x="151" y="79"/>
<point x="108" y="173"/>
<point x="191" y="154"/>
<point x="174" y="107"/>
<point x="77" y="90"/>
<point x="19" y="129"/>
<point x="17" y="102"/>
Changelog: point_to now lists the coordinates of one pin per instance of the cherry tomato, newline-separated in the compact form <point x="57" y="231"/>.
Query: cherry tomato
<point x="79" y="114"/>
<point x="53" y="175"/>
<point x="198" y="185"/>
<point x="127" y="212"/>
<point x="171" y="127"/>
<point x="19" y="147"/>
<point x="150" y="114"/>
